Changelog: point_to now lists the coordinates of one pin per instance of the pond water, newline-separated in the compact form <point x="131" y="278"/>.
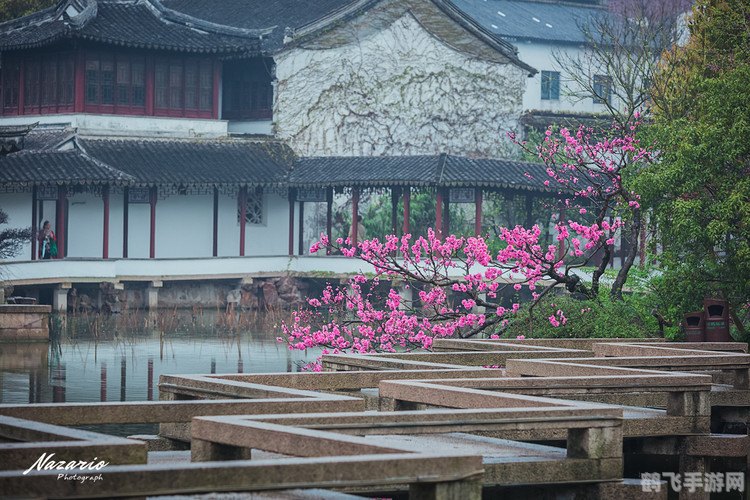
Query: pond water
<point x="121" y="359"/>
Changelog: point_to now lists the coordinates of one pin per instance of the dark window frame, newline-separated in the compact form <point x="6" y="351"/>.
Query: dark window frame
<point x="48" y="84"/>
<point x="602" y="85"/>
<point x="102" y="94"/>
<point x="247" y="90"/>
<point x="10" y="87"/>
<point x="550" y="85"/>
<point x="174" y="84"/>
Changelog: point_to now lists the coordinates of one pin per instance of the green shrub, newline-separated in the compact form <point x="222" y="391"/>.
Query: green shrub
<point x="602" y="318"/>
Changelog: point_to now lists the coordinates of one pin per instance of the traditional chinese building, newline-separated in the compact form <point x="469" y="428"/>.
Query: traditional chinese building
<point x="164" y="129"/>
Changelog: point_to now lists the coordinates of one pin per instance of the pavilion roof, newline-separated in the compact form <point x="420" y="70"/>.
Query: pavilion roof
<point x="195" y="162"/>
<point x="57" y="167"/>
<point x="439" y="170"/>
<point x="57" y="155"/>
<point x="232" y="27"/>
<point x="131" y="23"/>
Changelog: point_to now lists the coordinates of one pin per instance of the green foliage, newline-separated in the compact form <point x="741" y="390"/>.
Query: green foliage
<point x="11" y="9"/>
<point x="603" y="318"/>
<point x="12" y="240"/>
<point x="700" y="189"/>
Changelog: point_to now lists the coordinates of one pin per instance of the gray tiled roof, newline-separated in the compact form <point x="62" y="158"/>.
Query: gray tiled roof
<point x="57" y="167"/>
<point x="132" y="23"/>
<point x="280" y="15"/>
<point x="529" y="20"/>
<point x="237" y="162"/>
<point x="246" y="162"/>
<point x="276" y="15"/>
<point x="46" y="138"/>
<point x="493" y="172"/>
<point x="442" y="170"/>
<point x="364" y="171"/>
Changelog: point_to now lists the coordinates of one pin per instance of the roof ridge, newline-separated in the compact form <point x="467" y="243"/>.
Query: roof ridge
<point x="117" y="172"/>
<point x="88" y="11"/>
<point x="467" y="22"/>
<point x="171" y="15"/>
<point x="442" y="160"/>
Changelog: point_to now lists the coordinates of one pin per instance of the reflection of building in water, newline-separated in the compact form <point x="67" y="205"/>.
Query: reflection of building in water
<point x="87" y="371"/>
<point x="25" y="365"/>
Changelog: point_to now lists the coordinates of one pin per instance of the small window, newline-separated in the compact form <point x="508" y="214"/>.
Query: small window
<point x="253" y="207"/>
<point x="602" y="89"/>
<point x="550" y="85"/>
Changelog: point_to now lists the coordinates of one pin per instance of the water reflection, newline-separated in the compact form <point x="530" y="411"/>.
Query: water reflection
<point x="125" y="364"/>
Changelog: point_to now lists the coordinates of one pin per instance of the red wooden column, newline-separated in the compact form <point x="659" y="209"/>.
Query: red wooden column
<point x="407" y="209"/>
<point x="21" y="86"/>
<point x="217" y="83"/>
<point x="329" y="217"/>
<point x="394" y="210"/>
<point x="152" y="241"/>
<point x="80" y="75"/>
<point x="292" y="196"/>
<point x="242" y="200"/>
<point x="447" y="212"/>
<point x="439" y="213"/>
<point x="301" y="230"/>
<point x="478" y="211"/>
<point x="62" y="193"/>
<point x="529" y="211"/>
<point x="150" y="79"/>
<point x="355" y="214"/>
<point x="105" y="228"/>
<point x="216" y="222"/>
<point x="125" y="206"/>
<point x="34" y="223"/>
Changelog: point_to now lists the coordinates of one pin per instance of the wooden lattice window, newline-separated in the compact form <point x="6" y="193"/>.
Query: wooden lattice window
<point x="184" y="86"/>
<point x="115" y="83"/>
<point x="254" y="209"/>
<point x="248" y="92"/>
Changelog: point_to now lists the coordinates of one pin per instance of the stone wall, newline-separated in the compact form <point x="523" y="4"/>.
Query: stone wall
<point x="395" y="90"/>
<point x="24" y="323"/>
<point x="255" y="295"/>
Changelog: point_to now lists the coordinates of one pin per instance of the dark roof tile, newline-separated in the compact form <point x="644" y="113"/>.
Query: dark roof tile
<point x="529" y="20"/>
<point x="57" y="167"/>
<point x="47" y="138"/>
<point x="132" y="23"/>
<point x="364" y="171"/>
<point x="238" y="162"/>
<point x="260" y="14"/>
<point x="443" y="170"/>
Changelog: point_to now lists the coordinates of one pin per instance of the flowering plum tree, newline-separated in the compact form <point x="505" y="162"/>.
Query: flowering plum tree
<point x="455" y="284"/>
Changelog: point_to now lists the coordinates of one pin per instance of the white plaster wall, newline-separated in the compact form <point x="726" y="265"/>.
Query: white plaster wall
<point x="139" y="223"/>
<point x="261" y="127"/>
<point x="184" y="226"/>
<point x="18" y="208"/>
<point x="399" y="91"/>
<point x="542" y="57"/>
<point x="271" y="238"/>
<point x="48" y="211"/>
<point x="85" y="225"/>
<point x="229" y="228"/>
<point x="115" y="225"/>
<point x="122" y="125"/>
